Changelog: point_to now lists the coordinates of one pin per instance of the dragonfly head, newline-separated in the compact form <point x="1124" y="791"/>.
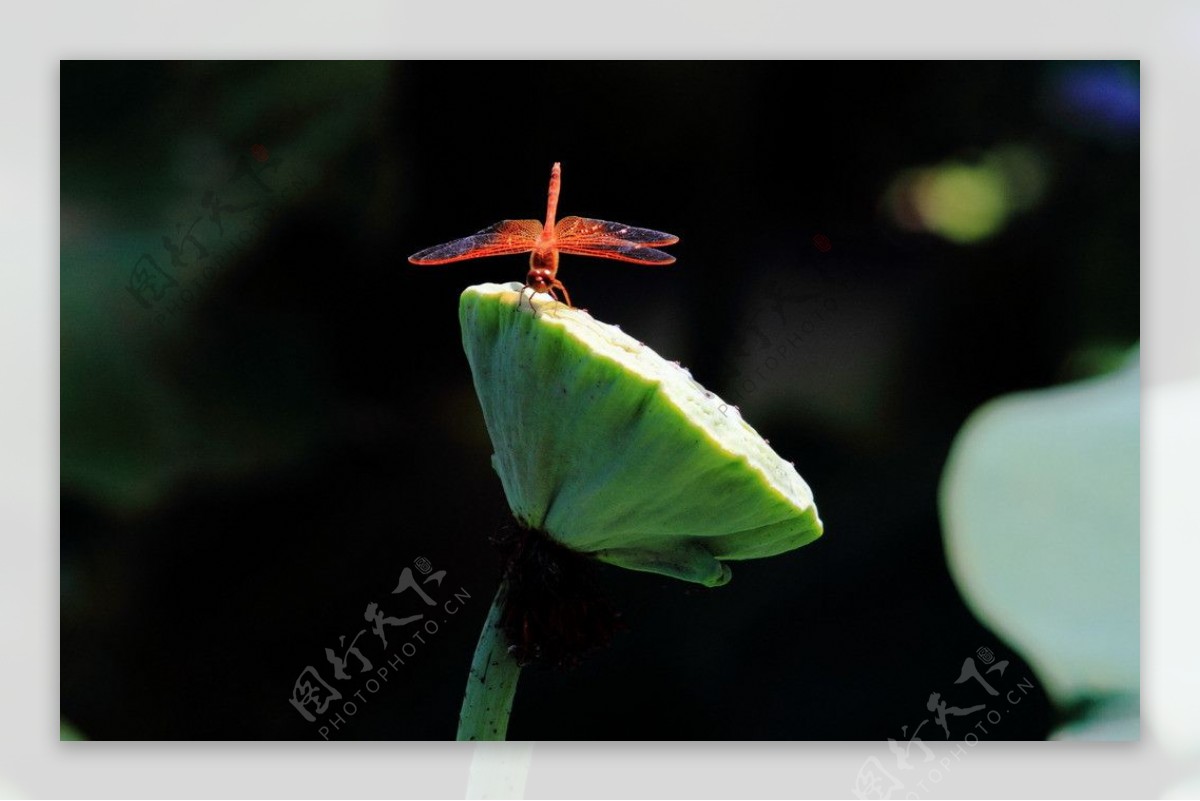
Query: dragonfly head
<point x="543" y="265"/>
<point x="539" y="280"/>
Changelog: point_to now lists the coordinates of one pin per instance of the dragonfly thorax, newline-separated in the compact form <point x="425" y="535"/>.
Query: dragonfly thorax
<point x="544" y="260"/>
<point x="543" y="269"/>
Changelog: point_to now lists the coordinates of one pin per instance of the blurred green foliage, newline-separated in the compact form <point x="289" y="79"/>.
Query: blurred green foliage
<point x="133" y="426"/>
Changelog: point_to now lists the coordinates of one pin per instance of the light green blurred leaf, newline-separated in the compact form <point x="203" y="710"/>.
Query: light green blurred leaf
<point x="1040" y="508"/>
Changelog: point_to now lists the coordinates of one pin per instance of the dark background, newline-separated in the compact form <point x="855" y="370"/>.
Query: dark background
<point x="253" y="456"/>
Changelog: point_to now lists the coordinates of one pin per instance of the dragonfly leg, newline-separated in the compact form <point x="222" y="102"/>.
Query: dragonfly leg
<point x="559" y="285"/>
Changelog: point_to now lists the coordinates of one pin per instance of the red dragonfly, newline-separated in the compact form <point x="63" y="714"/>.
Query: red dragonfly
<point x="578" y="235"/>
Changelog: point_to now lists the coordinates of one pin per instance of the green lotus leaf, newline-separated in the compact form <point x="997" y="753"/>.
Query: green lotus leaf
<point x="618" y="453"/>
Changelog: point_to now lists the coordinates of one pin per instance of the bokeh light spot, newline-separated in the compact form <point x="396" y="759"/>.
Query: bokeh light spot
<point x="963" y="203"/>
<point x="1100" y="98"/>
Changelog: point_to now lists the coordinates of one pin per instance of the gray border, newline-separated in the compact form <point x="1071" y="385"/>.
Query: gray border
<point x="1166" y="36"/>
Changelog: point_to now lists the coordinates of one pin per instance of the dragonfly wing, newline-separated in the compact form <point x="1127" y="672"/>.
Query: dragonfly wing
<point x="502" y="239"/>
<point x="585" y="230"/>
<point x="621" y="251"/>
<point x="609" y="240"/>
